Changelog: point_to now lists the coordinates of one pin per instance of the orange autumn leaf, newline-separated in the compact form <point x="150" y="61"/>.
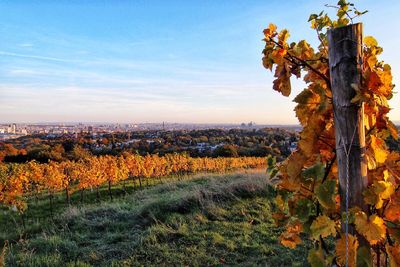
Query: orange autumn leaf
<point x="341" y="250"/>
<point x="392" y="211"/>
<point x="394" y="255"/>
<point x="290" y="238"/>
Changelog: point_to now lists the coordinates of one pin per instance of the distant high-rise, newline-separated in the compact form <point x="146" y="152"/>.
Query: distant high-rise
<point x="12" y="128"/>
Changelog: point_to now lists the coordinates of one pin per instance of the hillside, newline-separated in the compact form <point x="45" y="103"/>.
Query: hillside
<point x="208" y="220"/>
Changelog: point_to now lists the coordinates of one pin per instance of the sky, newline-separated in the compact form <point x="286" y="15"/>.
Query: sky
<point x="152" y="61"/>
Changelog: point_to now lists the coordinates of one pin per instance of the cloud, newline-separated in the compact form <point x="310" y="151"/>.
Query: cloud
<point x="25" y="45"/>
<point x="11" y="54"/>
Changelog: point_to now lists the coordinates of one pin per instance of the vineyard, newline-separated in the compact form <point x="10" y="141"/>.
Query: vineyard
<point x="19" y="182"/>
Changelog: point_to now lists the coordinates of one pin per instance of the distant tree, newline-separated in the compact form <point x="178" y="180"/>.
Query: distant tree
<point x="226" y="151"/>
<point x="68" y="145"/>
<point x="79" y="153"/>
<point x="7" y="150"/>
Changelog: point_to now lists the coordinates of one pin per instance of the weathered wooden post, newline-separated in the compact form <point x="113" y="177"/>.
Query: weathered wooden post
<point x="345" y="65"/>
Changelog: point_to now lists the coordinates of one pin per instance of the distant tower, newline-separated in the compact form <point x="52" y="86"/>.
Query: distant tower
<point x="13" y="128"/>
<point x="163" y="126"/>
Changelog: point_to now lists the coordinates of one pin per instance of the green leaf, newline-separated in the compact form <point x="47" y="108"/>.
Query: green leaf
<point x="303" y="97"/>
<point x="316" y="258"/>
<point x="316" y="171"/>
<point x="364" y="258"/>
<point x="304" y="209"/>
<point x="312" y="16"/>
<point x="325" y="194"/>
<point x="322" y="226"/>
<point x="272" y="170"/>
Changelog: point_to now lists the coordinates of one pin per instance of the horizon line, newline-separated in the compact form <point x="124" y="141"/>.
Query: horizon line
<point x="146" y="122"/>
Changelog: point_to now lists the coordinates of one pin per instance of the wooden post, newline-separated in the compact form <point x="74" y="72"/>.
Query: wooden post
<point x="345" y="66"/>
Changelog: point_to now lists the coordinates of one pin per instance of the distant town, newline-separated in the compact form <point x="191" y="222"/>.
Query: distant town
<point x="52" y="130"/>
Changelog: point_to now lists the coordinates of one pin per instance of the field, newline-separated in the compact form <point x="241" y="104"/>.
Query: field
<point x="208" y="219"/>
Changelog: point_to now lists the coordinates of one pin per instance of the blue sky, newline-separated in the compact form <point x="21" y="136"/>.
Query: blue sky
<point x="153" y="61"/>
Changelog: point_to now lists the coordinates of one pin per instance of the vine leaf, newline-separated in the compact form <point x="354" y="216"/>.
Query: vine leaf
<point x="323" y="226"/>
<point x="364" y="257"/>
<point x="316" y="258"/>
<point x="341" y="249"/>
<point x="372" y="228"/>
<point x="378" y="147"/>
<point x="394" y="255"/>
<point x="325" y="193"/>
<point x="290" y="238"/>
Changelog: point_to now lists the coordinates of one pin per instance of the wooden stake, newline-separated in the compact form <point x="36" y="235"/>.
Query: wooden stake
<point x="345" y="65"/>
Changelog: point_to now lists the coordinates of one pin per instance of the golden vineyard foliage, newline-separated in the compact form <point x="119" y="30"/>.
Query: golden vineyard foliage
<point x="308" y="178"/>
<point x="20" y="181"/>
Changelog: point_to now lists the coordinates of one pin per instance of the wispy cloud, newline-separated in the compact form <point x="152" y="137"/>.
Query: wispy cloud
<point x="37" y="57"/>
<point x="25" y="45"/>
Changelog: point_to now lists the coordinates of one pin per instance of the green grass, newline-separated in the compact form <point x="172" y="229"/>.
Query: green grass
<point x="210" y="220"/>
<point x="14" y="226"/>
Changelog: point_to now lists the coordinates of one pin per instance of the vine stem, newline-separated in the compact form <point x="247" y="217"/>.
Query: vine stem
<point x="303" y="63"/>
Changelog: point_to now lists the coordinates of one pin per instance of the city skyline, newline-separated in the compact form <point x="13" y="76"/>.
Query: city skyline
<point x="139" y="62"/>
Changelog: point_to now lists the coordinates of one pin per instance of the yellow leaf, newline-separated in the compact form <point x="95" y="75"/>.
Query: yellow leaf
<point x="280" y="202"/>
<point x="378" y="192"/>
<point x="370" y="41"/>
<point x="341" y="249"/>
<point x="322" y="226"/>
<point x="283" y="36"/>
<point x="384" y="189"/>
<point x="372" y="228"/>
<point x="379" y="149"/>
<point x="270" y="31"/>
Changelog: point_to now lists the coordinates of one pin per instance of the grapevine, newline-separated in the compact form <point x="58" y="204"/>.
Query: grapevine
<point x="18" y="182"/>
<point x="308" y="201"/>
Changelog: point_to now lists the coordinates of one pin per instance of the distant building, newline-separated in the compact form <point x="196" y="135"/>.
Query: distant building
<point x="293" y="146"/>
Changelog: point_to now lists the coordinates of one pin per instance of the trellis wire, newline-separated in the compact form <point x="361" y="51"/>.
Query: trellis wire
<point x="347" y="152"/>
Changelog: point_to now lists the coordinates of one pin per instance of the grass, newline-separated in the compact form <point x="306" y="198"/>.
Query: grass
<point x="14" y="226"/>
<point x="210" y="220"/>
